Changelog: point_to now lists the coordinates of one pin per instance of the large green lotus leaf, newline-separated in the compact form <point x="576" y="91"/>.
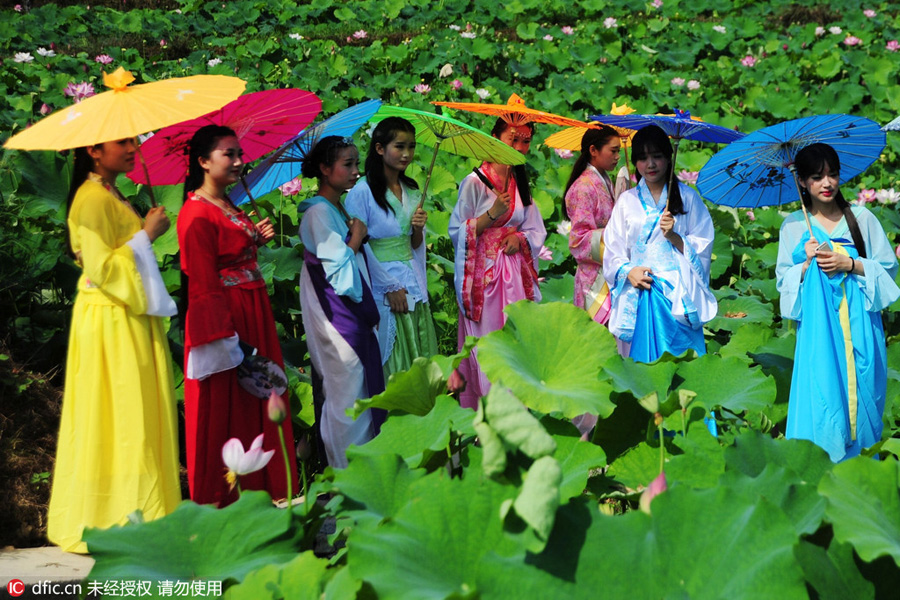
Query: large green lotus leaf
<point x="701" y="462"/>
<point x="776" y="357"/>
<point x="493" y="460"/>
<point x="737" y="311"/>
<point x="641" y="379"/>
<point x="624" y="429"/>
<point x="550" y="356"/>
<point x="515" y="424"/>
<point x="412" y="391"/>
<point x="197" y="542"/>
<point x="864" y="506"/>
<point x="374" y="486"/>
<point x="445" y="542"/>
<point x="752" y="452"/>
<point x="418" y="438"/>
<point x="576" y="458"/>
<point x="448" y="363"/>
<point x="304" y="577"/>
<point x="342" y="586"/>
<point x="684" y="550"/>
<point x="799" y="500"/>
<point x="727" y="382"/>
<point x="833" y="573"/>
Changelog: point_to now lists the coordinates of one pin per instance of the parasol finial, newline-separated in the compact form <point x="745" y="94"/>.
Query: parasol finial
<point x="118" y="80"/>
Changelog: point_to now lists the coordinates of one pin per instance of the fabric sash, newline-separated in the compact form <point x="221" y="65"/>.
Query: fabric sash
<point x="391" y="249"/>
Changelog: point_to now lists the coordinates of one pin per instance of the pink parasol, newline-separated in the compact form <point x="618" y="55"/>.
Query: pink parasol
<point x="263" y="121"/>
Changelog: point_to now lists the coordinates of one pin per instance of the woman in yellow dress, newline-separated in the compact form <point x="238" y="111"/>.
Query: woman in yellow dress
<point x="118" y="444"/>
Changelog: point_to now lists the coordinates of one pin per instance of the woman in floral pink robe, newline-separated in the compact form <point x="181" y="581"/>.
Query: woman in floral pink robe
<point x="589" y="203"/>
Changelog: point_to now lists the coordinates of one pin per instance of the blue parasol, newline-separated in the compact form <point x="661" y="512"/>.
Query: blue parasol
<point x="758" y="170"/>
<point x="680" y="126"/>
<point x="284" y="164"/>
<point x="892" y="126"/>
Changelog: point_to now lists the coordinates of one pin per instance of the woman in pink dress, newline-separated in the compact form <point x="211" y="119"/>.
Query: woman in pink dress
<point x="589" y="202"/>
<point x="497" y="232"/>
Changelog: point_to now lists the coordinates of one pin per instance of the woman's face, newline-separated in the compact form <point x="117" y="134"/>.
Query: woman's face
<point x="607" y="157"/>
<point x="343" y="173"/>
<point x="822" y="186"/>
<point x="225" y="161"/>
<point x="653" y="167"/>
<point x="517" y="138"/>
<point x="399" y="152"/>
<point x="112" y="158"/>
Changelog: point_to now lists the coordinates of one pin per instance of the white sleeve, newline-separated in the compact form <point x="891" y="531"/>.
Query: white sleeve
<point x="217" y="356"/>
<point x="159" y="302"/>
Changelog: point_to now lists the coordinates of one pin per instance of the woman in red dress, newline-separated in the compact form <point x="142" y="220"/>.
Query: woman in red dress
<point x="227" y="303"/>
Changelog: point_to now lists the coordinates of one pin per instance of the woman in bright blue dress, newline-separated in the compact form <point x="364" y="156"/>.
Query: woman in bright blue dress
<point x="834" y="284"/>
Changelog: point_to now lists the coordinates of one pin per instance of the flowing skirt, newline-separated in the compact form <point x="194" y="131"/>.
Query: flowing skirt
<point x="118" y="437"/>
<point x="415" y="337"/>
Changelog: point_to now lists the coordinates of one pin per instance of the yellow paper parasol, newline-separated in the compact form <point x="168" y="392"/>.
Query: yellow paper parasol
<point x="513" y="112"/>
<point x="570" y="138"/>
<point x="126" y="111"/>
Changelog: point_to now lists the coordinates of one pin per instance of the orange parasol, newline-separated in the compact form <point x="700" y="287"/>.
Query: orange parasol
<point x="513" y="112"/>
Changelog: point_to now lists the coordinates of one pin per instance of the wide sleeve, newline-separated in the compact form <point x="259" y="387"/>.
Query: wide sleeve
<point x="788" y="273"/>
<point x="585" y="236"/>
<point x="877" y="284"/>
<point x="474" y="199"/>
<point x="209" y="317"/>
<point x="159" y="302"/>
<point x="359" y="204"/>
<point x="698" y="235"/>
<point x="617" y="250"/>
<point x="110" y="268"/>
<point x="534" y="231"/>
<point x="318" y="232"/>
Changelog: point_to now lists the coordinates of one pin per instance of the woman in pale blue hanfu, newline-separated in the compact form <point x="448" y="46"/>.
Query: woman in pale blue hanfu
<point x="656" y="261"/>
<point x="386" y="200"/>
<point x="836" y="295"/>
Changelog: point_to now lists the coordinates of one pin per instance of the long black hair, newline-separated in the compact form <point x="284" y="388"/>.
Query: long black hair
<point x="386" y="132"/>
<point x="653" y="139"/>
<point x="82" y="164"/>
<point x="519" y="170"/>
<point x="201" y="146"/>
<point x="597" y="138"/>
<point x="810" y="161"/>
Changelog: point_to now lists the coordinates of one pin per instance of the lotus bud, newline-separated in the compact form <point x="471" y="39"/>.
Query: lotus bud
<point x="656" y="487"/>
<point x="304" y="449"/>
<point x="276" y="407"/>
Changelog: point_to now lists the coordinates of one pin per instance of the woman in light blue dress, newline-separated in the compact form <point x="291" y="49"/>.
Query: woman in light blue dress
<point x="386" y="200"/>
<point x="835" y="284"/>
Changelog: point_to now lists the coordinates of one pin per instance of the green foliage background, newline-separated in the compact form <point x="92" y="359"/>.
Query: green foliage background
<point x="528" y="512"/>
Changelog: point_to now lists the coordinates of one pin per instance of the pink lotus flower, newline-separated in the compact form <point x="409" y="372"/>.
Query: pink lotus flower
<point x="720" y="28"/>
<point x="835" y="30"/>
<point x="678" y="81"/>
<point x="240" y="462"/>
<point x="610" y="22"/>
<point x="657" y="3"/>
<point x="869" y="13"/>
<point x="693" y="84"/>
<point x="292" y="187"/>
<point x="422" y="88"/>
<point x="568" y="30"/>
<point x="688" y="177"/>
<point x="548" y="38"/>
<point x="456" y="84"/>
<point x="751" y="215"/>
<point x="866" y="196"/>
<point x="656" y="487"/>
<point x="892" y="46"/>
<point x="563" y="153"/>
<point x="897" y="252"/>
<point x="545" y="253"/>
<point x="45" y="109"/>
<point x="820" y="31"/>
<point x="103" y="59"/>
<point x="748" y="61"/>
<point x="888" y="196"/>
<point x="276" y="408"/>
<point x="361" y="34"/>
<point x="18" y="8"/>
<point x="852" y="40"/>
<point x="468" y="34"/>
<point x="79" y="91"/>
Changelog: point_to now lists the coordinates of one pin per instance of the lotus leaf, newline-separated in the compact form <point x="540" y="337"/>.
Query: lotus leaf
<point x="412" y="391"/>
<point x="727" y="382"/>
<point x="833" y="573"/>
<point x="304" y="577"/>
<point x="550" y="356"/>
